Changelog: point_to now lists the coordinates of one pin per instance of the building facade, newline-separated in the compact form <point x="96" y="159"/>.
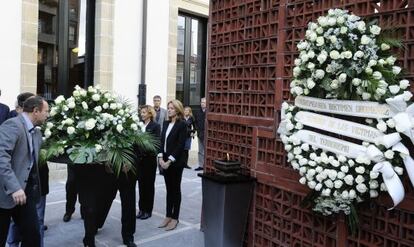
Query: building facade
<point x="156" y="46"/>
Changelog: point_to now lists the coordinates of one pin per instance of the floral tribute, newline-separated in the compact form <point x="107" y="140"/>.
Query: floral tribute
<point x="346" y="82"/>
<point x="94" y="126"/>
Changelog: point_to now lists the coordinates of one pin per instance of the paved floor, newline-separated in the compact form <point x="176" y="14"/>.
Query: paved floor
<point x="147" y="234"/>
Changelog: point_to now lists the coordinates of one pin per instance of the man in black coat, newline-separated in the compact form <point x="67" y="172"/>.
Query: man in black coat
<point x="200" y="118"/>
<point x="4" y="112"/>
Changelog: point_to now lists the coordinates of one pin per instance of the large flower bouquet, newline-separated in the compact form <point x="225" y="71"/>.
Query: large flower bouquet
<point x="343" y="58"/>
<point x="93" y="126"/>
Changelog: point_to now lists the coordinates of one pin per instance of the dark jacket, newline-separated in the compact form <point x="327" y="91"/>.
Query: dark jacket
<point x="200" y="118"/>
<point x="4" y="112"/>
<point x="190" y="126"/>
<point x="175" y="142"/>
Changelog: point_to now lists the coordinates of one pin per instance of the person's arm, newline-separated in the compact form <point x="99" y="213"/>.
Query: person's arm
<point x="9" y="134"/>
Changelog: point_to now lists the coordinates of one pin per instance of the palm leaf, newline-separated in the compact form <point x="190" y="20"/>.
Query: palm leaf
<point x="120" y="157"/>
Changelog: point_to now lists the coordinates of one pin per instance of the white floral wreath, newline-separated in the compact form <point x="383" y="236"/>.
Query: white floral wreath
<point x="344" y="58"/>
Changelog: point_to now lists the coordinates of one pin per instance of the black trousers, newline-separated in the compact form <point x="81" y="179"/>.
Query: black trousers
<point x="185" y="154"/>
<point x="71" y="190"/>
<point x="172" y="177"/>
<point x="89" y="182"/>
<point x="125" y="183"/>
<point x="146" y="171"/>
<point x="27" y="221"/>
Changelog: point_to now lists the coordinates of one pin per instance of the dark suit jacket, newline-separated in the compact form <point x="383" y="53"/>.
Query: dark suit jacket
<point x="4" y="112"/>
<point x="200" y="118"/>
<point x="175" y="142"/>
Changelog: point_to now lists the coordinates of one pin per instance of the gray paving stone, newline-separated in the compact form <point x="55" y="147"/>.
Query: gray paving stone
<point x="147" y="234"/>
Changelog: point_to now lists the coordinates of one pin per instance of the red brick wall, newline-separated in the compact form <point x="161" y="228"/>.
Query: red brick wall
<point x="252" y="45"/>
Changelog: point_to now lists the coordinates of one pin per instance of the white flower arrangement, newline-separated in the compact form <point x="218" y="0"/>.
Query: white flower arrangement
<point x="342" y="57"/>
<point x="93" y="126"/>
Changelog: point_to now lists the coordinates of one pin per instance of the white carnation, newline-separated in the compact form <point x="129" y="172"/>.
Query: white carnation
<point x="360" y="169"/>
<point x="347" y="54"/>
<point x="396" y="70"/>
<point x="349" y="179"/>
<point x="302" y="180"/>
<point x="366" y="96"/>
<point x="361" y="26"/>
<point x="352" y="194"/>
<point x="98" y="108"/>
<point x="385" y="47"/>
<point x="320" y="41"/>
<point x="362" y="188"/>
<point x="359" y="179"/>
<point x="90" y="124"/>
<point x="338" y="184"/>
<point x="334" y="55"/>
<point x="59" y="99"/>
<point x="365" y="40"/>
<point x="71" y="104"/>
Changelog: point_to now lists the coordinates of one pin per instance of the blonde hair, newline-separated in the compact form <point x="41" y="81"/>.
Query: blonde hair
<point x="190" y="111"/>
<point x="150" y="110"/>
<point x="178" y="106"/>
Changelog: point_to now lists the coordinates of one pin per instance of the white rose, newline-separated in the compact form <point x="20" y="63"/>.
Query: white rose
<point x="305" y="147"/>
<point x="360" y="169"/>
<point x="396" y="70"/>
<point x="345" y="194"/>
<point x="49" y="125"/>
<point x="312" y="184"/>
<point x="65" y="108"/>
<point x="340" y="175"/>
<point x="302" y="180"/>
<point x="373" y="175"/>
<point x="331" y="21"/>
<point x="342" y="78"/>
<point x="320" y="41"/>
<point x="391" y="60"/>
<point x="83" y="93"/>
<point x="329" y="183"/>
<point x="311" y="66"/>
<point x="394" y="89"/>
<point x="47" y="133"/>
<point x="319" y="30"/>
<point x="107" y="95"/>
<point x="310" y="83"/>
<point x="352" y="194"/>
<point x="365" y="40"/>
<point x="296" y="71"/>
<point x="404" y="84"/>
<point x="356" y="82"/>
<point x="334" y="55"/>
<point x="318" y="187"/>
<point x="84" y="105"/>
<point x="98" y="108"/>
<point x="358" y="54"/>
<point x="311" y="35"/>
<point x="298" y="62"/>
<point x="347" y="54"/>
<point x="343" y="30"/>
<point x="338" y="184"/>
<point x="368" y="71"/>
<point x="407" y="95"/>
<point x="385" y="47"/>
<point x="96" y="97"/>
<point x="76" y="93"/>
<point x="361" y="26"/>
<point x="353" y="18"/>
<point x="90" y="124"/>
<point x="302" y="170"/>
<point x="119" y="128"/>
<point x="333" y="39"/>
<point x="334" y="84"/>
<point x="98" y="148"/>
<point x="297" y="150"/>
<point x="373" y="193"/>
<point x="349" y="180"/>
<point x="389" y="154"/>
<point x="359" y="179"/>
<point x="59" y="99"/>
<point x="71" y="104"/>
<point x="366" y="96"/>
<point x="373" y="184"/>
<point x="134" y="126"/>
<point x="382" y="126"/>
<point x="374" y="29"/>
<point x="391" y="123"/>
<point x="105" y="105"/>
<point x="319" y="74"/>
<point x="112" y="106"/>
<point x="68" y="121"/>
<point x="344" y="169"/>
<point x="372" y="63"/>
<point x="340" y="20"/>
<point x="377" y="75"/>
<point x="311" y="54"/>
<point x="323" y="21"/>
<point x="362" y="188"/>
<point x="70" y="130"/>
<point x="304" y="57"/>
<point x="91" y="89"/>
<point x="326" y="192"/>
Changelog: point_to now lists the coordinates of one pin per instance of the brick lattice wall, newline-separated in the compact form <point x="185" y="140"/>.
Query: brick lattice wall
<point x="252" y="46"/>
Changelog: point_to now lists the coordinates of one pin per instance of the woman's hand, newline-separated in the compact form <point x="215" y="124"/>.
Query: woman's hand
<point x="165" y="164"/>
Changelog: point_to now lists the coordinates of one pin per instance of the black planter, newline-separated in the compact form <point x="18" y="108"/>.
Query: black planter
<point x="225" y="209"/>
<point x="227" y="168"/>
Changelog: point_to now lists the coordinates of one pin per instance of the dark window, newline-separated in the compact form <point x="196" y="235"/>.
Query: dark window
<point x="191" y="59"/>
<point x="65" y="46"/>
